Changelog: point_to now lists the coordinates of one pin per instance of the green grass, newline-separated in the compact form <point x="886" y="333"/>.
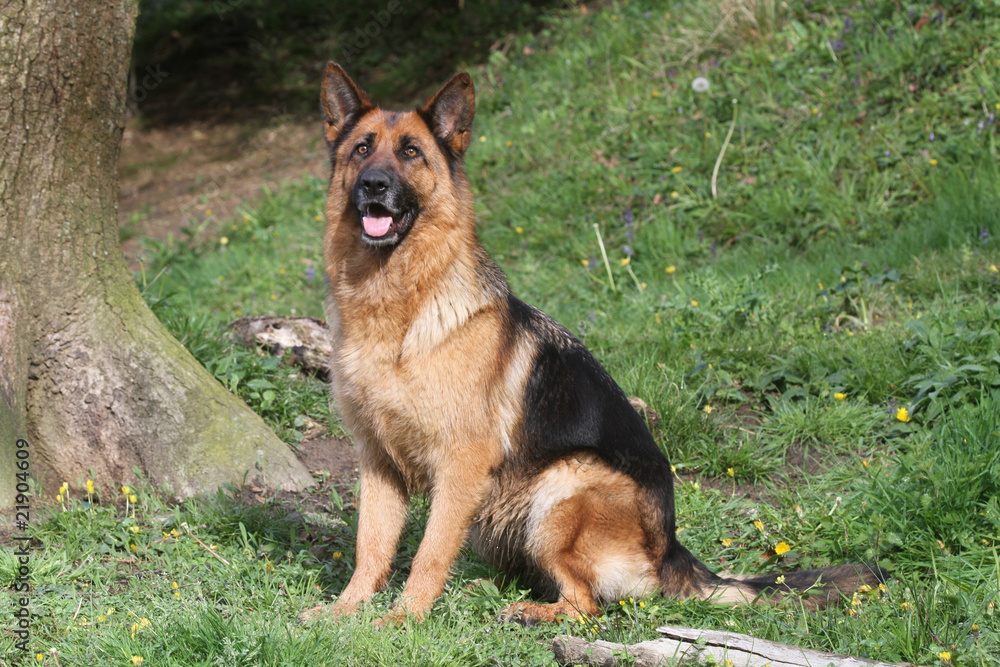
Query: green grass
<point x="838" y="277"/>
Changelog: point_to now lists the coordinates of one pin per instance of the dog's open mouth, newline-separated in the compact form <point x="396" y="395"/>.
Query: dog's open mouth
<point x="384" y="227"/>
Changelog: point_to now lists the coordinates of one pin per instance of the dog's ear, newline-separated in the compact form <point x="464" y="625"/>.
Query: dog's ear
<point x="341" y="100"/>
<point x="450" y="112"/>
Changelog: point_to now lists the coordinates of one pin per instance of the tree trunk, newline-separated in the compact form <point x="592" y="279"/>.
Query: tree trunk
<point x="88" y="375"/>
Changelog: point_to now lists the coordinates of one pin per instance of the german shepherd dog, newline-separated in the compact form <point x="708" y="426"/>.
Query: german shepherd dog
<point x="453" y="387"/>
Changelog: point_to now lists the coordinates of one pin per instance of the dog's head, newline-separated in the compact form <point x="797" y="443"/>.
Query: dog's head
<point x="388" y="165"/>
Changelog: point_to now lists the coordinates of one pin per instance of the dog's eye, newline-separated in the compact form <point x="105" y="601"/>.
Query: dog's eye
<point x="362" y="149"/>
<point x="412" y="151"/>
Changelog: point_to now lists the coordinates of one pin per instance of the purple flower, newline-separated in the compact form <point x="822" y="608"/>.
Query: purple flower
<point x="932" y="136"/>
<point x="837" y="46"/>
<point x="671" y="72"/>
<point x="984" y="235"/>
<point x="823" y="75"/>
<point x="646" y="15"/>
<point x="628" y="216"/>
<point x="848" y="24"/>
<point x="887" y="152"/>
<point x="627" y="250"/>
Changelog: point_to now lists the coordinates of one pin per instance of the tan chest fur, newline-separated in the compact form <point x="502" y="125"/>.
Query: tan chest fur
<point x="419" y="377"/>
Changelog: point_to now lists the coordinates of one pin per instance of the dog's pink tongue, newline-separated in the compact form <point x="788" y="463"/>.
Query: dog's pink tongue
<point x="376" y="226"/>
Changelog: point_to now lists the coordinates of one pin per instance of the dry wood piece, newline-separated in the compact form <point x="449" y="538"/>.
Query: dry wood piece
<point x="306" y="339"/>
<point x="688" y="645"/>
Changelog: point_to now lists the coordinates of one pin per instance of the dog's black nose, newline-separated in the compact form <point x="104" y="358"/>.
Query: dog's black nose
<point x="375" y="181"/>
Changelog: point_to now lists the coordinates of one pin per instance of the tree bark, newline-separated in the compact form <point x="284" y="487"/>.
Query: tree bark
<point x="88" y="375"/>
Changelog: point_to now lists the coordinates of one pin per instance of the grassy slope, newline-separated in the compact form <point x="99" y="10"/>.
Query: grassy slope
<point x="837" y="259"/>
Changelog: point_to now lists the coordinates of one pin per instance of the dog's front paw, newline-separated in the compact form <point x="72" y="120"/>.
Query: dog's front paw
<point x="398" y="616"/>
<point x="328" y="611"/>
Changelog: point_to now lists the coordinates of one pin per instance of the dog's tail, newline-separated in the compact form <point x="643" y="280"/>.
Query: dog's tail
<point x="682" y="575"/>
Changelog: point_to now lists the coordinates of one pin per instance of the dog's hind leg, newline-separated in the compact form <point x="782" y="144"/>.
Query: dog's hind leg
<point x="586" y="534"/>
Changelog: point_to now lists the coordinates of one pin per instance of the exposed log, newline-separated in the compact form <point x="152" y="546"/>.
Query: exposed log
<point x="306" y="339"/>
<point x="688" y="645"/>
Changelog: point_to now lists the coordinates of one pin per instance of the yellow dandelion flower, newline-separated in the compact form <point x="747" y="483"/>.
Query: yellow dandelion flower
<point x="903" y="415"/>
<point x="780" y="580"/>
<point x="975" y="627"/>
<point x="933" y="162"/>
<point x="208" y="212"/>
<point x="126" y="490"/>
<point x="656" y="93"/>
<point x="585" y="262"/>
<point x="730" y="472"/>
<point x="519" y="230"/>
<point x="132" y="499"/>
<point x="482" y="139"/>
<point x="759" y="525"/>
<point x="246" y="218"/>
<point x="319" y="218"/>
<point x="90" y="486"/>
<point x="815" y="111"/>
<point x="136" y="660"/>
<point x="727" y="542"/>
<point x="882" y="588"/>
<point x="134" y="548"/>
<point x="337" y="555"/>
<point x="670" y="270"/>
<point x="905" y="606"/>
<point x="39" y="657"/>
<point x="626" y="260"/>
<point x="840" y="396"/>
<point x="729" y="663"/>
<point x="865" y="464"/>
<point x="224" y="240"/>
<point x="674" y="195"/>
<point x="694" y="303"/>
<point x="509" y="144"/>
<point x="677" y="170"/>
<point x="993" y="268"/>
<point x="782" y="548"/>
<point x="135" y="529"/>
<point x="59" y="498"/>
<point x="851" y="612"/>
<point x="707" y="409"/>
<point x="621" y="602"/>
<point x="274" y="297"/>
<point x="945" y="656"/>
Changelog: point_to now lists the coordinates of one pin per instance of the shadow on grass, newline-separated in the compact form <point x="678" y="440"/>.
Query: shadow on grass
<point x="234" y="59"/>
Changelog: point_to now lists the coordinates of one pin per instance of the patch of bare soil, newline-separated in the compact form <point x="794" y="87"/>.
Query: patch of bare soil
<point x="179" y="176"/>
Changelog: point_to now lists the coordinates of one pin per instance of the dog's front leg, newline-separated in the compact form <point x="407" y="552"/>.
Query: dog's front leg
<point x="457" y="494"/>
<point x="381" y="514"/>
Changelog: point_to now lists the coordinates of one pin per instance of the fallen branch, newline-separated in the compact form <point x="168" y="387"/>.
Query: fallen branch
<point x="305" y="339"/>
<point x="689" y="645"/>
